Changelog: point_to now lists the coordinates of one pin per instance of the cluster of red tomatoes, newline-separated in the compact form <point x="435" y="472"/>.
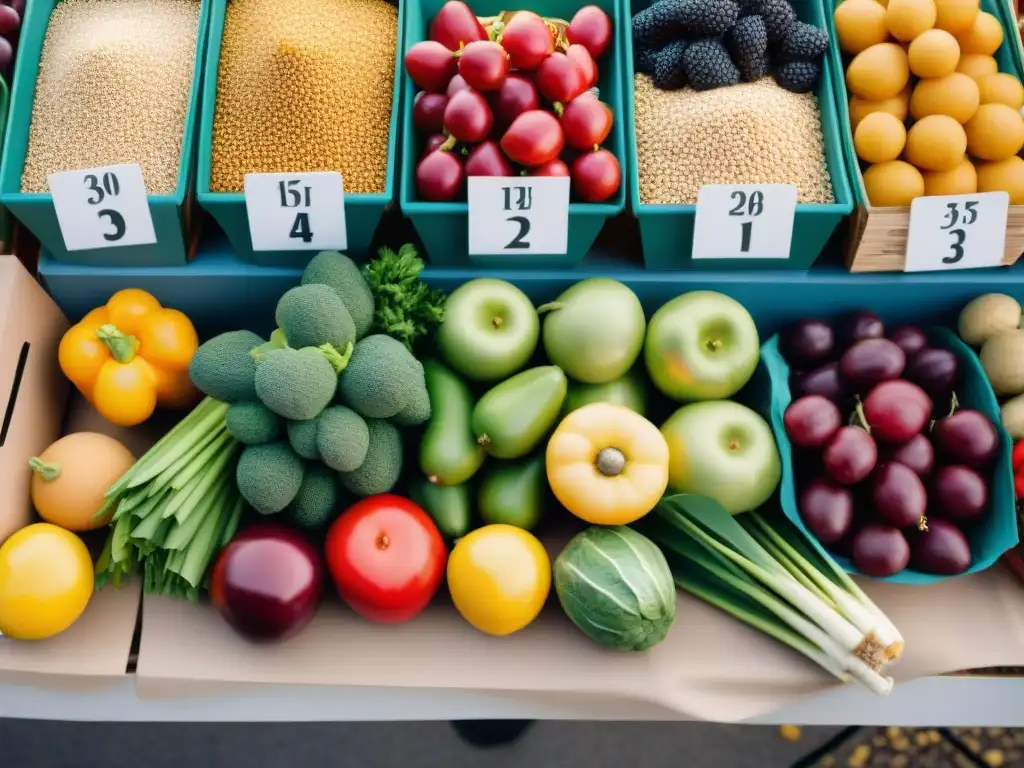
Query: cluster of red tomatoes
<point x="520" y="99"/>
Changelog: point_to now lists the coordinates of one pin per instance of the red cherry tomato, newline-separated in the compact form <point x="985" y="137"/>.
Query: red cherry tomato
<point x="551" y="168"/>
<point x="456" y="84"/>
<point x="484" y="65"/>
<point x="592" y="28"/>
<point x="431" y="66"/>
<point x="432" y="142"/>
<point x="581" y="56"/>
<point x="439" y="177"/>
<point x="455" y="25"/>
<point x="559" y="79"/>
<point x="386" y="557"/>
<point x="428" y="111"/>
<point x="486" y="159"/>
<point x="586" y="122"/>
<point x="534" y="138"/>
<point x="468" y="116"/>
<point x="596" y="176"/>
<point x="516" y="95"/>
<point x="528" y="40"/>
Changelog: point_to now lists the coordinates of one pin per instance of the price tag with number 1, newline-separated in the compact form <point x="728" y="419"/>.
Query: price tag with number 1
<point x="744" y="221"/>
<point x="518" y="215"/>
<point x="957" y="231"/>
<point x="296" y="211"/>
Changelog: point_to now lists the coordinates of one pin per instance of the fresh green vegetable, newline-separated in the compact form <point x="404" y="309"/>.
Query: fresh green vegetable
<point x="382" y="466"/>
<point x="381" y="378"/>
<point x="450" y="506"/>
<point x="175" y="508"/>
<point x="342" y="438"/>
<point x="614" y="584"/>
<point x="778" y="581"/>
<point x="405" y="307"/>
<point x="449" y="452"/>
<point x="298" y="383"/>
<point x="629" y="391"/>
<point x="223" y="367"/>
<point x="417" y="410"/>
<point x="343" y="275"/>
<point x="269" y="476"/>
<point x="316" y="504"/>
<point x="311" y="315"/>
<point x="253" y="423"/>
<point x="302" y="437"/>
<point x="513" y="417"/>
<point x="514" y="492"/>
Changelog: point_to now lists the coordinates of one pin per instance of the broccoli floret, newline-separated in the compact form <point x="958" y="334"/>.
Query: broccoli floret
<point x="381" y="377"/>
<point x="341" y="273"/>
<point x="224" y="369"/>
<point x="417" y="410"/>
<point x="342" y="438"/>
<point x="302" y="437"/>
<point x="311" y="315"/>
<point x="253" y="423"/>
<point x="316" y="504"/>
<point x="296" y="383"/>
<point x="383" y="463"/>
<point x="269" y="476"/>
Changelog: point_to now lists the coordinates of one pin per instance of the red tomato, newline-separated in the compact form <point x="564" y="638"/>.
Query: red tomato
<point x="386" y="558"/>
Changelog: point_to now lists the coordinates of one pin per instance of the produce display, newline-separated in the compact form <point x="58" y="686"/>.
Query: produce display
<point x="89" y="112"/>
<point x="892" y="471"/>
<point x="512" y="94"/>
<point x="305" y="86"/>
<point x="991" y="324"/>
<point x="930" y="112"/>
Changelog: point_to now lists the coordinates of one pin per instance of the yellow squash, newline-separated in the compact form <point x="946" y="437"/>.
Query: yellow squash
<point x="607" y="464"/>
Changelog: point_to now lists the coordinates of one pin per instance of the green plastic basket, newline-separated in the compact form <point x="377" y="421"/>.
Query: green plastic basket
<point x="444" y="227"/>
<point x="666" y="231"/>
<point x="362" y="212"/>
<point x="989" y="539"/>
<point x="36" y="212"/>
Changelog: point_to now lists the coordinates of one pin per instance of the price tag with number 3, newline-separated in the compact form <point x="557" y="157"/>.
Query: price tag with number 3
<point x="957" y="231"/>
<point x="744" y="221"/>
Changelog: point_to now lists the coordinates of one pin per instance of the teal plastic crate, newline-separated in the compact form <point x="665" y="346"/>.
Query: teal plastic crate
<point x="170" y="213"/>
<point x="443" y="227"/>
<point x="362" y="212"/>
<point x="666" y="231"/>
<point x="5" y="216"/>
<point x="989" y="538"/>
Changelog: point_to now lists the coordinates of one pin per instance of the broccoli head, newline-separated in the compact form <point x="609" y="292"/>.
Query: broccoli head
<point x="382" y="466"/>
<point x="253" y="423"/>
<point x="316" y="503"/>
<point x="311" y="315"/>
<point x="224" y="369"/>
<point x="341" y="273"/>
<point x="381" y="378"/>
<point x="269" y="476"/>
<point x="296" y="383"/>
<point x="342" y="438"/>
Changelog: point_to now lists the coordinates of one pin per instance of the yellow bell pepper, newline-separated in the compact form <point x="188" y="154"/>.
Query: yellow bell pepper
<point x="607" y="464"/>
<point x="130" y="356"/>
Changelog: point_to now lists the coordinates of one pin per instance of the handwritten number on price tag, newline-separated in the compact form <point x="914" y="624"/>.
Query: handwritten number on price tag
<point x="744" y="221"/>
<point x="960" y="234"/>
<point x="520" y="215"/>
<point x="957" y="231"/>
<point x="293" y="197"/>
<point x="296" y="211"/>
<point x="523" y="202"/>
<point x="753" y="206"/>
<point x="99" y="188"/>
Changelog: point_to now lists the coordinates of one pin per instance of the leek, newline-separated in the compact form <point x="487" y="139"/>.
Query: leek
<point x="778" y="581"/>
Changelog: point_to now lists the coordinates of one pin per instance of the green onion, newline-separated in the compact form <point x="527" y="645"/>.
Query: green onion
<point x="175" y="508"/>
<point x="778" y="581"/>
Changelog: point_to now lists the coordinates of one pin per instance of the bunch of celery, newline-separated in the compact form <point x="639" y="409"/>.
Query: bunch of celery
<point x="175" y="508"/>
<point x="779" y="582"/>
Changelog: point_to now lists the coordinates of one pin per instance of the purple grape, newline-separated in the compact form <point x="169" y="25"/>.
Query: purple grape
<point x="909" y="338"/>
<point x="10" y="21"/>
<point x="824" y="381"/>
<point x="880" y="550"/>
<point x="806" y="343"/>
<point x="858" y="326"/>
<point x="936" y="371"/>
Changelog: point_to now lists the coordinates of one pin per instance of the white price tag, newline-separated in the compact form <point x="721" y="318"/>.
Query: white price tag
<point x="744" y="221"/>
<point x="957" y="231"/>
<point x="296" y="211"/>
<point x="102" y="207"/>
<point x="518" y="215"/>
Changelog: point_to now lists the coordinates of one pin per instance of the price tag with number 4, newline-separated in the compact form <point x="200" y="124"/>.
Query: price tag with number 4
<point x="296" y="211"/>
<point x="518" y="215"/>
<point x="102" y="207"/>
<point x="744" y="221"/>
<point x="957" y="231"/>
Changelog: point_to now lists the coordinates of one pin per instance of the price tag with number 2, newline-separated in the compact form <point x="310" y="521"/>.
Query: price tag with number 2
<point x="518" y="215"/>
<point x="102" y="207"/>
<point x="744" y="221"/>
<point x="957" y="231"/>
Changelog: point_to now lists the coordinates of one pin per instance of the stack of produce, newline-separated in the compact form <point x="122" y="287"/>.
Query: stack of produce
<point x="510" y="94"/>
<point x="897" y="481"/>
<point x="714" y="43"/>
<point x="991" y="323"/>
<point x="114" y="82"/>
<point x="930" y="112"/>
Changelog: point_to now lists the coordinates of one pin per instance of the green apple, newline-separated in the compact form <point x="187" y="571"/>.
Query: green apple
<point x="490" y="329"/>
<point x="723" y="450"/>
<point x="702" y="345"/>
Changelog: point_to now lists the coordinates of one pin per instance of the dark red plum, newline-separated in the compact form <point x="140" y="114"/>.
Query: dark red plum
<point x="870" y="362"/>
<point x="896" y="411"/>
<point x="909" y="338"/>
<point x="966" y="437"/>
<point x="807" y="343"/>
<point x="936" y="371"/>
<point x="942" y="549"/>
<point x="823" y="380"/>
<point x="857" y="326"/>
<point x="812" y="421"/>
<point x="428" y="111"/>
<point x="917" y="453"/>
<point x="880" y="550"/>
<point x="959" y="493"/>
<point x="827" y="509"/>
<point x="898" y="495"/>
<point x="850" y="455"/>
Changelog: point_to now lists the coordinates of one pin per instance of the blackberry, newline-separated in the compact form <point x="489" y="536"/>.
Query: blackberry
<point x="753" y="70"/>
<point x="747" y="8"/>
<point x="778" y="17"/>
<point x="798" y="76"/>
<point x="707" y="65"/>
<point x="669" y="72"/>
<point x="708" y="18"/>
<point x="803" y="42"/>
<point x="644" y="59"/>
<point x="747" y="42"/>
<point x="659" y="24"/>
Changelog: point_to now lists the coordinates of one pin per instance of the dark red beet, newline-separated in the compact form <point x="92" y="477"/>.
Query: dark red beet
<point x="966" y="437"/>
<point x="917" y="453"/>
<point x="430" y="65"/>
<point x="850" y="455"/>
<point x="439" y="177"/>
<point x="807" y="343"/>
<point x="942" y="549"/>
<point x="428" y="111"/>
<point x="432" y="142"/>
<point x="909" y="338"/>
<point x="592" y="28"/>
<point x="897" y="410"/>
<point x="823" y="380"/>
<point x="827" y="509"/>
<point x="898" y="495"/>
<point x="455" y="25"/>
<point x="880" y="550"/>
<point x="486" y="159"/>
<point x="484" y="65"/>
<point x="468" y="116"/>
<point x="858" y="326"/>
<point x="528" y="40"/>
<point x="872" y="361"/>
<point x="516" y="95"/>
<point x="456" y="84"/>
<point x="812" y="421"/>
<point x="959" y="493"/>
<point x="936" y="371"/>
